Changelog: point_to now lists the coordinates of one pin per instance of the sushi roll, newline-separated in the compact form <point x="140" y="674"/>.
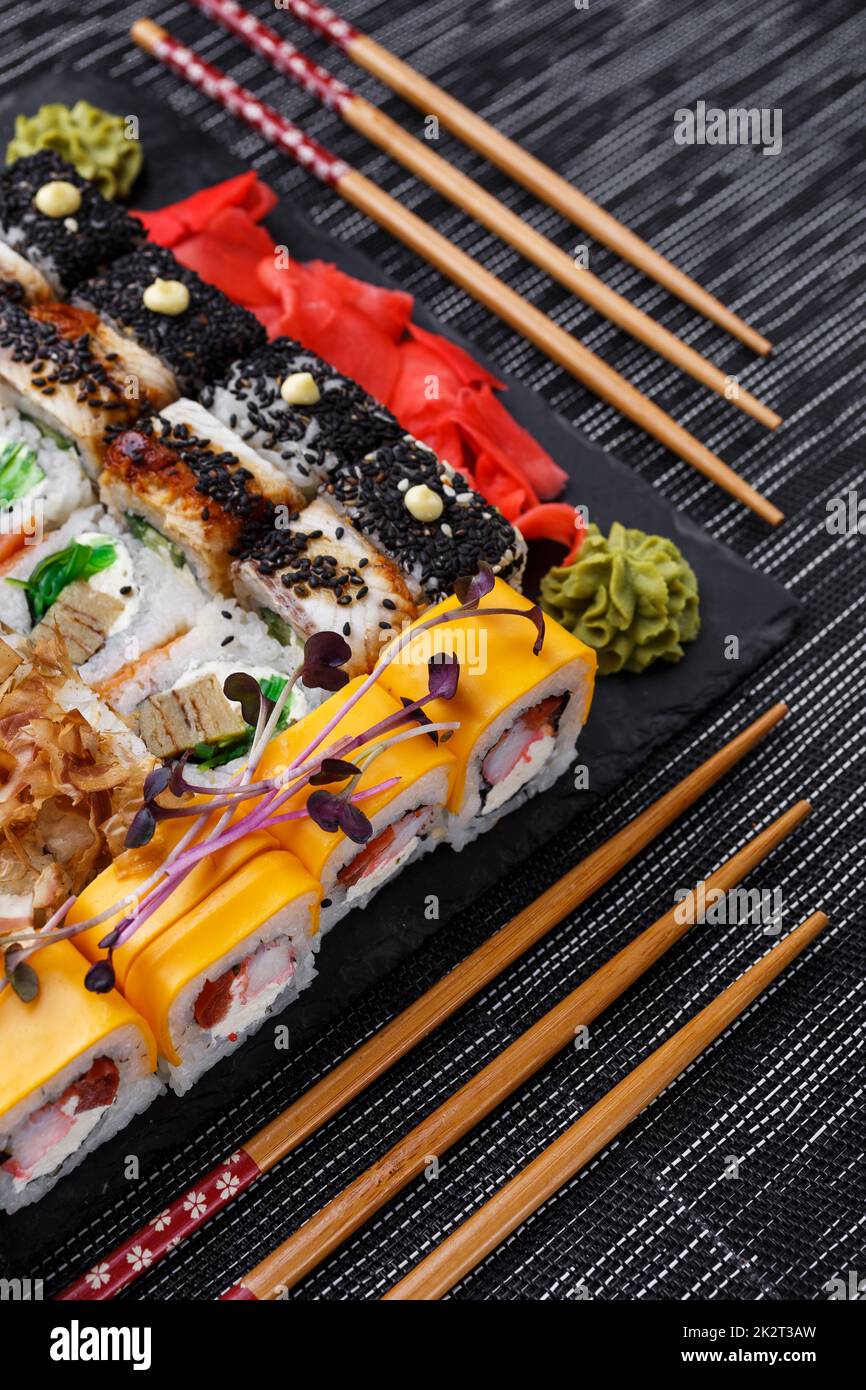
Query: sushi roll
<point x="77" y="1066"/>
<point x="126" y="874"/>
<point x="519" y="714"/>
<point x="215" y="975"/>
<point x="41" y="483"/>
<point x="407" y="818"/>
<point x="192" y="327"/>
<point x="176" y="703"/>
<point x="424" y="517"/>
<point x="315" y="573"/>
<point x="299" y="413"/>
<point x="56" y="229"/>
<point x="72" y="374"/>
<point x="112" y="598"/>
<point x="187" y="477"/>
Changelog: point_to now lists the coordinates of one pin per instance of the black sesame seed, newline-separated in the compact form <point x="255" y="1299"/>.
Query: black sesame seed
<point x="105" y="229"/>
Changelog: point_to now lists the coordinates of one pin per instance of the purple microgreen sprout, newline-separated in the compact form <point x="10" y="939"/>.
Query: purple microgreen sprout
<point x="325" y="653"/>
<point x="334" y="812"/>
<point x="245" y="691"/>
<point x="156" y="782"/>
<point x="333" y="770"/>
<point x="443" y="674"/>
<point x="141" y="830"/>
<point x="21" y="976"/>
<point x="100" y="977"/>
<point x="472" y="588"/>
<point x="418" y="715"/>
<point x="324" y="656"/>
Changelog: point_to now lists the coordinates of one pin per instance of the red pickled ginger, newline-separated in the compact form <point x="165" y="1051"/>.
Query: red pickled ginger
<point x="437" y="390"/>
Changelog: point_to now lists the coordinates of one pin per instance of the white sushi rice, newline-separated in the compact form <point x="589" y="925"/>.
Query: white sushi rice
<point x="429" y="790"/>
<point x="547" y="764"/>
<point x="199" y="1048"/>
<point x="63" y="488"/>
<point x="137" y="1087"/>
<point x="14" y="266"/>
<point x="163" y="604"/>
<point x="205" y="646"/>
<point x="35" y="271"/>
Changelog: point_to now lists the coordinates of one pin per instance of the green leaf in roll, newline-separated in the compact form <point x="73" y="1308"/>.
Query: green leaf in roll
<point x="153" y="539"/>
<point x="51" y="576"/>
<point x="210" y="755"/>
<point x="94" y="141"/>
<point x="631" y="596"/>
<point x="19" y="472"/>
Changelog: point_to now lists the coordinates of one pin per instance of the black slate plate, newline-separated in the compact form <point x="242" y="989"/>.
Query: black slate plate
<point x="631" y="715"/>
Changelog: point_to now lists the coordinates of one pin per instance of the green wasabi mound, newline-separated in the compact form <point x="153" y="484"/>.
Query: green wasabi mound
<point x="94" y="141"/>
<point x="632" y="597"/>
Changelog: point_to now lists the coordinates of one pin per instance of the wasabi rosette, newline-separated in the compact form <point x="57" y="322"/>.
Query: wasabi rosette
<point x="96" y="143"/>
<point x="633" y="597"/>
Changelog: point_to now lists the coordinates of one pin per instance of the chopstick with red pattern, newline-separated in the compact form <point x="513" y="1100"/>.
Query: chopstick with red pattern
<point x="518" y="163"/>
<point x="456" y="265"/>
<point x="470" y="197"/>
<point x="216" y="1189"/>
<point x="328" y="1228"/>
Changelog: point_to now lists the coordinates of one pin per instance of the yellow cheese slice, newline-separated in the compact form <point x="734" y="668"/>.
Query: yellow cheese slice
<point x="199" y="882"/>
<point x="39" y="1039"/>
<point x="409" y="761"/>
<point x="497" y="668"/>
<point x="254" y="894"/>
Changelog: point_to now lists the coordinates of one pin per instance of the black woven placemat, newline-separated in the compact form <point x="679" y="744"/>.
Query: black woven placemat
<point x="781" y="239"/>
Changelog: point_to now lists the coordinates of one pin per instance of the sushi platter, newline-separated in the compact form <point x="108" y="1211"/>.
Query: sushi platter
<point x="306" y="656"/>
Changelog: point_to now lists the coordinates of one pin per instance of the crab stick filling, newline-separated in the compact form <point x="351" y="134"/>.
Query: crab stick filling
<point x="57" y="1129"/>
<point x="396" y="768"/>
<point x="191" y="952"/>
<point x="243" y="992"/>
<point x="497" y="671"/>
<point x="520" y="753"/>
<point x="382" y="856"/>
<point x="41" y="1038"/>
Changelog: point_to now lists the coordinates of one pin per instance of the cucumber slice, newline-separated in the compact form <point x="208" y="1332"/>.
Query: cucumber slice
<point x="278" y="627"/>
<point x="216" y="754"/>
<point x="153" y="539"/>
<point x="48" y="432"/>
<point x="19" y="472"/>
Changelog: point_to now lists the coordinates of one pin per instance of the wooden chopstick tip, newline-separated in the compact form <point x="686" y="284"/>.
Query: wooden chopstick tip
<point x="147" y="34"/>
<point x="771" y="716"/>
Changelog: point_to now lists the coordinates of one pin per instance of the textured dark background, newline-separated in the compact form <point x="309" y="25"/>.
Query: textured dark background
<point x="781" y="240"/>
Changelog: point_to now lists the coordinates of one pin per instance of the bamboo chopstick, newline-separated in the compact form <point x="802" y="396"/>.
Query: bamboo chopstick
<point x="397" y="1037"/>
<point x="350" y="1209"/>
<point x="418" y="157"/>
<point x="489" y="1226"/>
<point x="519" y="313"/>
<point x="547" y="185"/>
